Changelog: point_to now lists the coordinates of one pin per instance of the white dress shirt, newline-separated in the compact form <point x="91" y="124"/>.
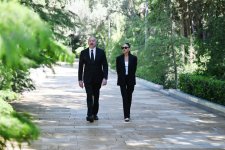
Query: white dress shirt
<point x="94" y="52"/>
<point x="126" y="67"/>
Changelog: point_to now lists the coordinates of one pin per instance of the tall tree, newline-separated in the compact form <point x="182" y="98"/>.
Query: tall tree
<point x="62" y="21"/>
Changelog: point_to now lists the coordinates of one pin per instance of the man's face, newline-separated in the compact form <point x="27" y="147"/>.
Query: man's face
<point x="92" y="42"/>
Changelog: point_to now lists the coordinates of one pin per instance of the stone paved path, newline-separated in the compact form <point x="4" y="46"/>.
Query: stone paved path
<point x="158" y="122"/>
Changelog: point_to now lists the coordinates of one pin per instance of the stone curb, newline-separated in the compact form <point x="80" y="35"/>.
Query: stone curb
<point x="204" y="104"/>
<point x="210" y="106"/>
<point x="152" y="86"/>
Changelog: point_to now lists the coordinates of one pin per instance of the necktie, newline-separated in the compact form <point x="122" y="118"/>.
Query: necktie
<point x="92" y="56"/>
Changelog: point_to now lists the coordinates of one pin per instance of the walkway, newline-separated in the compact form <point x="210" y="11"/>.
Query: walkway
<point x="158" y="122"/>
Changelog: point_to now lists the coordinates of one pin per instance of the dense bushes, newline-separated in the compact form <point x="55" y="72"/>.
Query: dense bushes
<point x="203" y="87"/>
<point x="14" y="126"/>
<point x="8" y="95"/>
<point x="15" y="80"/>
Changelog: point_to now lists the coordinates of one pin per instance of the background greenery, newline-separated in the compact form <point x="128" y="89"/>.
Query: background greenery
<point x="179" y="43"/>
<point x="169" y="37"/>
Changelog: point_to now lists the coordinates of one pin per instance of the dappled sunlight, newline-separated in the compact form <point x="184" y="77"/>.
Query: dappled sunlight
<point x="217" y="138"/>
<point x="147" y="110"/>
<point x="205" y="121"/>
<point x="192" y="141"/>
<point x="78" y="106"/>
<point x="189" y="138"/>
<point x="109" y="96"/>
<point x="178" y="140"/>
<point x="170" y="128"/>
<point x="103" y="139"/>
<point x="138" y="143"/>
<point x="61" y="93"/>
<point x="46" y="121"/>
<point x="195" y="132"/>
<point x="205" y="115"/>
<point x="59" y="108"/>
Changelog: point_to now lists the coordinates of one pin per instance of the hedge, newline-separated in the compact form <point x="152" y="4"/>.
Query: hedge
<point x="204" y="87"/>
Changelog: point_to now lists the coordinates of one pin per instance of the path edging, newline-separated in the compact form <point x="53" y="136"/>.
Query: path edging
<point x="210" y="106"/>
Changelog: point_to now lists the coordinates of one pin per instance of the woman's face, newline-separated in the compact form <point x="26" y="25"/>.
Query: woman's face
<point x="125" y="49"/>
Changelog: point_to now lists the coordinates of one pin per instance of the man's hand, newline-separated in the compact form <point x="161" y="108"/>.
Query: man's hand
<point x="81" y="84"/>
<point x="104" y="82"/>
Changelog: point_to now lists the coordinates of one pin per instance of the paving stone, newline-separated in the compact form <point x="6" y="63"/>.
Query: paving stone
<point x="158" y="122"/>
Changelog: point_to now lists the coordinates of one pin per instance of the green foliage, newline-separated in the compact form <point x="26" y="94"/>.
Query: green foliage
<point x="172" y="26"/>
<point x="15" y="80"/>
<point x="28" y="42"/>
<point x="8" y="95"/>
<point x="15" y="127"/>
<point x="153" y="39"/>
<point x="116" y="51"/>
<point x="21" y="81"/>
<point x="24" y="43"/>
<point x="214" y="46"/>
<point x="5" y="108"/>
<point x="60" y="19"/>
<point x="5" y="77"/>
<point x="203" y="87"/>
<point x="25" y="37"/>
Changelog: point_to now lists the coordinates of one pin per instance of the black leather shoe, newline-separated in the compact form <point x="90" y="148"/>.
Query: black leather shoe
<point x="90" y="118"/>
<point x="95" y="117"/>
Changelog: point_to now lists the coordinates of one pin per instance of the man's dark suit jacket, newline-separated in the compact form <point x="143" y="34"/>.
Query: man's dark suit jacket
<point x="92" y="72"/>
<point x="120" y="68"/>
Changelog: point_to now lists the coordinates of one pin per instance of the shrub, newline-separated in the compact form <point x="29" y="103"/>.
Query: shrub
<point x="203" y="87"/>
<point x="14" y="126"/>
<point x="21" y="81"/>
<point x="8" y="95"/>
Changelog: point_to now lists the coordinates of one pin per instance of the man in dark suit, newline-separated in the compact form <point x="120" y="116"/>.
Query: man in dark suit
<point x="126" y="66"/>
<point x="92" y="74"/>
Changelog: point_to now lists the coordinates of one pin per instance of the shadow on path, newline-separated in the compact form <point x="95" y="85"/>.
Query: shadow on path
<point x="157" y="121"/>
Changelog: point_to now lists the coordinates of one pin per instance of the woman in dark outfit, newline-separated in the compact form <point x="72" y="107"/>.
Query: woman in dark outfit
<point x="126" y="65"/>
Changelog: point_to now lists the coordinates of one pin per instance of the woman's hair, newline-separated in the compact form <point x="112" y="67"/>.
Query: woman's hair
<point x="128" y="44"/>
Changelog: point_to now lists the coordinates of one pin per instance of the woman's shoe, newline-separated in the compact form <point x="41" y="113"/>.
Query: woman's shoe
<point x="95" y="117"/>
<point x="126" y="119"/>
